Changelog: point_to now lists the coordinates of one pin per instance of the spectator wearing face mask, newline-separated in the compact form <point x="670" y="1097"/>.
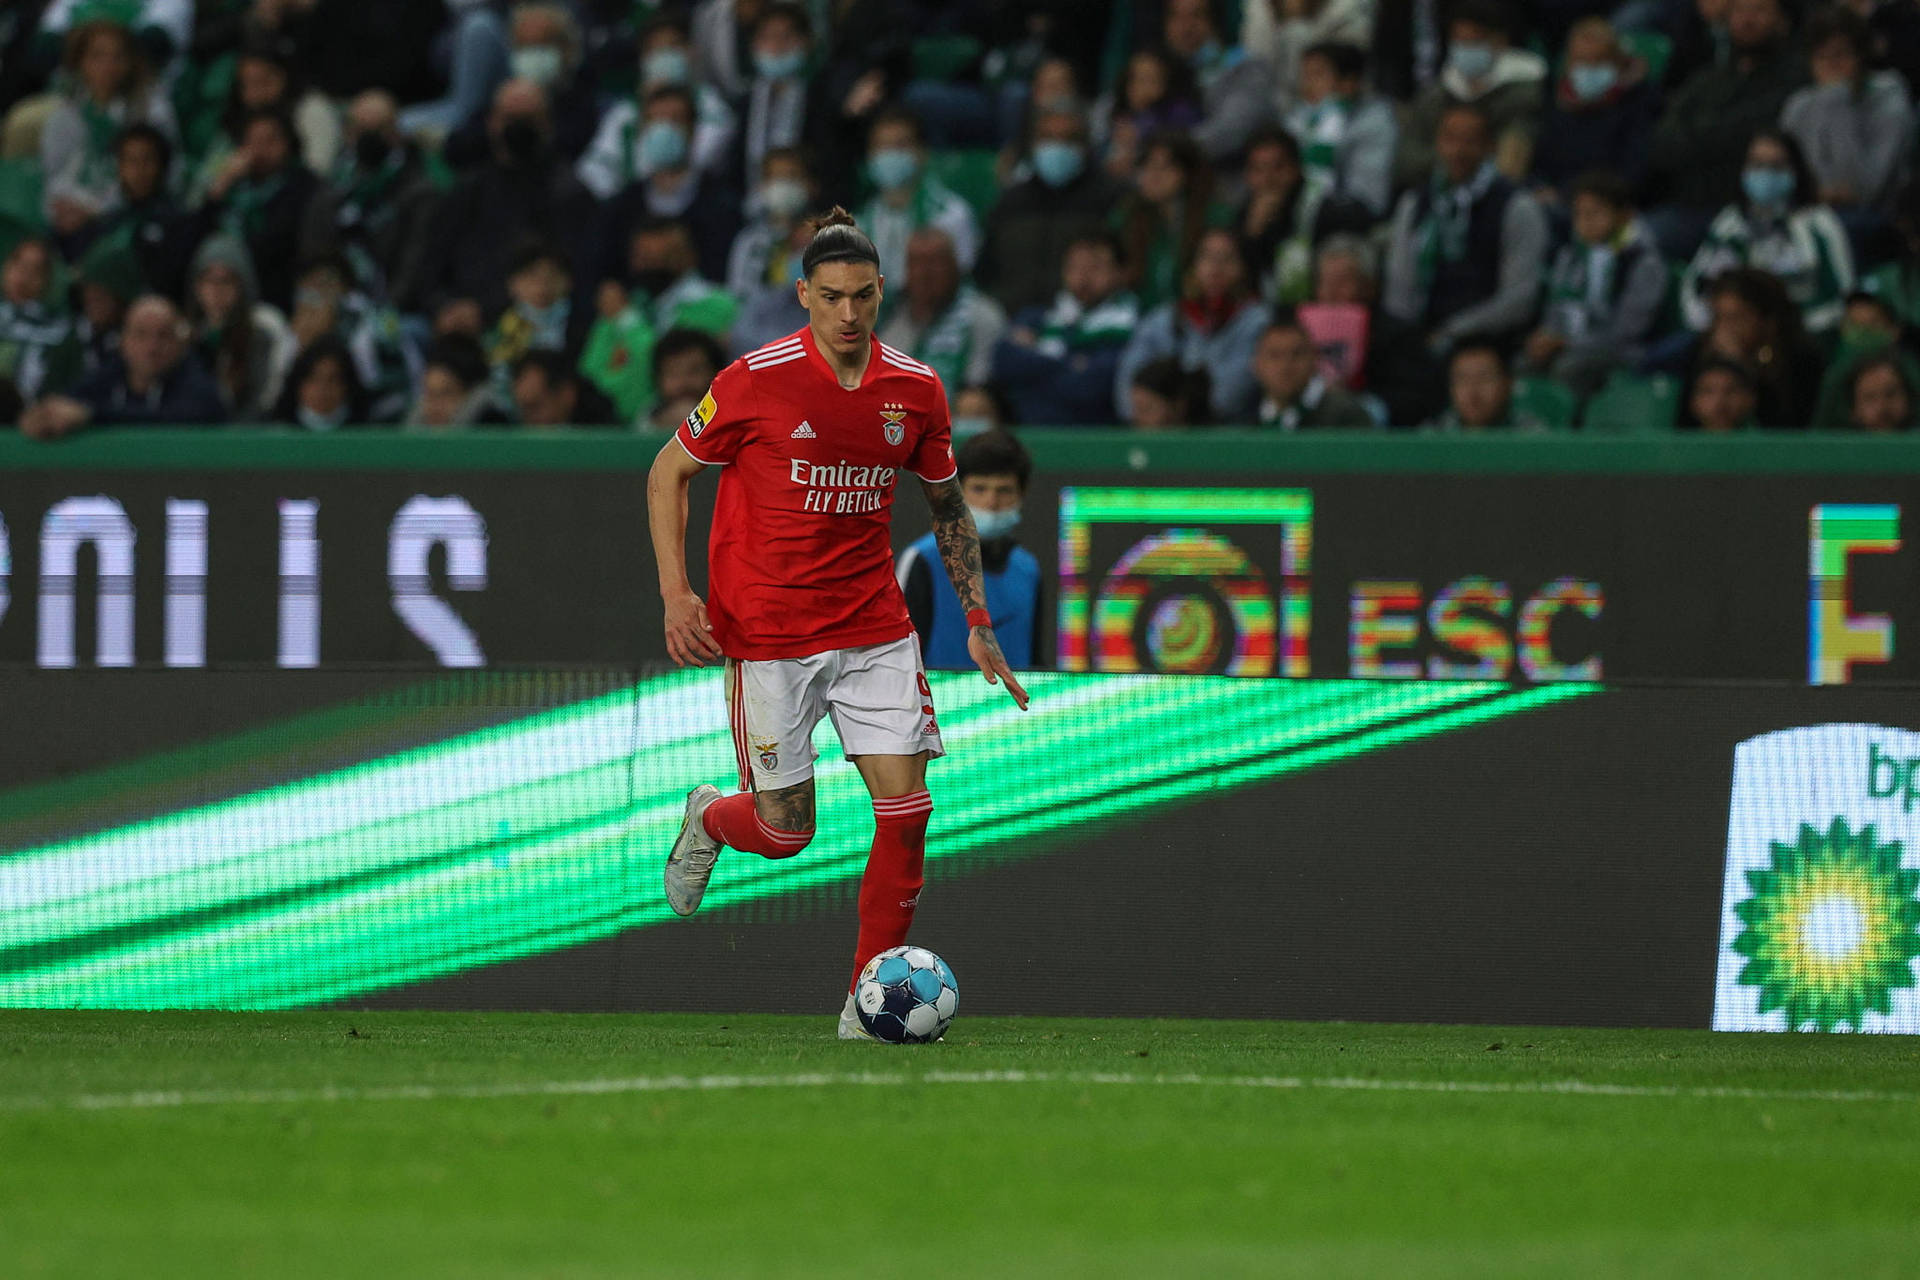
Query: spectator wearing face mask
<point x="1281" y="32"/>
<point x="1699" y="145"/>
<point x="765" y="260"/>
<point x="776" y="107"/>
<point x="376" y="203"/>
<point x="323" y="389"/>
<point x="523" y="191"/>
<point x="669" y="186"/>
<point x="622" y="149"/>
<point x="1236" y="90"/>
<point x="907" y="198"/>
<point x="543" y="49"/>
<point x="540" y="315"/>
<point x="1034" y="221"/>
<point x="328" y="300"/>
<point x="1483" y="70"/>
<point x="995" y="471"/>
<point x="1602" y="114"/>
<point x="1778" y="227"/>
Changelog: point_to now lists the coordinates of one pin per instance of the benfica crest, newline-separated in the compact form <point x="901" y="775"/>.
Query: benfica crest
<point x="894" y="422"/>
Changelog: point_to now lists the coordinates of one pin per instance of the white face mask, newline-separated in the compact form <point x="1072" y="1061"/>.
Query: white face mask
<point x="540" y="63"/>
<point x="321" y="421"/>
<point x="784" y="197"/>
<point x="995" y="524"/>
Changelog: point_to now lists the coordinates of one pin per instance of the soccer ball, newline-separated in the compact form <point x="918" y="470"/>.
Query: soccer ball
<point x="906" y="995"/>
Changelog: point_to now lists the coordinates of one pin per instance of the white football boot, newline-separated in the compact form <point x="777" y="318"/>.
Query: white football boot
<point x="690" y="864"/>
<point x="850" y="1028"/>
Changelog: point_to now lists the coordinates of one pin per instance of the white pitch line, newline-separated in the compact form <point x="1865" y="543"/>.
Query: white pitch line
<point x="819" y="1080"/>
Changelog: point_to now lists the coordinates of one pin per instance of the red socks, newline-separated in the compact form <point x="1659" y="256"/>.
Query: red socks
<point x="735" y="822"/>
<point x="891" y="887"/>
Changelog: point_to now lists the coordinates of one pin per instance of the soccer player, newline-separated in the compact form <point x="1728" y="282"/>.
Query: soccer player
<point x="802" y="605"/>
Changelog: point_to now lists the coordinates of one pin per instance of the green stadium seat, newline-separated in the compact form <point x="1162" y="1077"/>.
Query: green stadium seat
<point x="945" y="57"/>
<point x="1633" y="405"/>
<point x="971" y="174"/>
<point x="1655" y="49"/>
<point x="1545" y="401"/>
<point x="20" y="193"/>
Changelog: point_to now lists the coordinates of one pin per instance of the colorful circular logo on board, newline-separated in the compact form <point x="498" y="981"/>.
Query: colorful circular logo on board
<point x="1831" y="927"/>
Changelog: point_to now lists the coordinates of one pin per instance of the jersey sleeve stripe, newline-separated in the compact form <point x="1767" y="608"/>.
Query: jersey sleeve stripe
<point x="941" y="480"/>
<point x="899" y="361"/>
<point x="681" y="436"/>
<point x="757" y="365"/>
<point x="785" y="344"/>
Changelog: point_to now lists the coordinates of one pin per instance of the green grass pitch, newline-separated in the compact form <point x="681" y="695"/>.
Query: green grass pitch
<point x="403" y="1145"/>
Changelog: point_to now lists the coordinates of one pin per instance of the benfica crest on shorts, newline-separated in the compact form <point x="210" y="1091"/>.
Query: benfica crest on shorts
<point x="769" y="752"/>
<point x="894" y="424"/>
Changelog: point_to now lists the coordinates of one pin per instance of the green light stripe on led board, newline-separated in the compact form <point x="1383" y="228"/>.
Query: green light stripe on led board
<point x="549" y="831"/>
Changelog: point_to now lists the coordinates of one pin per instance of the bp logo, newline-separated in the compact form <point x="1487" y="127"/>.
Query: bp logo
<point x="1820" y="915"/>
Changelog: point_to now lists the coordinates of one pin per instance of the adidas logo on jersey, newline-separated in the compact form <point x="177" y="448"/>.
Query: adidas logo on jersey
<point x="804" y="432"/>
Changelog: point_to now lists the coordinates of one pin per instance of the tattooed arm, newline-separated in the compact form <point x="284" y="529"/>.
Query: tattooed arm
<point x="959" y="544"/>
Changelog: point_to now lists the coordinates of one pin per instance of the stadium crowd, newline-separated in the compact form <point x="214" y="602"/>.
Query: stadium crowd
<point x="1291" y="214"/>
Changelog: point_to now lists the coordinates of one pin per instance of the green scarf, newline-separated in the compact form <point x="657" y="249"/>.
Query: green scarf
<point x="247" y="202"/>
<point x="1442" y="232"/>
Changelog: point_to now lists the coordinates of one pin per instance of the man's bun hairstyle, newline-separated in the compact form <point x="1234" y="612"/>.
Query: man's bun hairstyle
<point x="836" y="239"/>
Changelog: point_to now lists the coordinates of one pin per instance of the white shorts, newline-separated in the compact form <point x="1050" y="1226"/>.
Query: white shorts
<point x="877" y="695"/>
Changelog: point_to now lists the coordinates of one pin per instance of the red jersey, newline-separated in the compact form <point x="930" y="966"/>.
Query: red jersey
<point x="801" y="553"/>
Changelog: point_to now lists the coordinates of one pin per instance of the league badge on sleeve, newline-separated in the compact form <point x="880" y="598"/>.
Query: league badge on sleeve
<point x="894" y="422"/>
<point x="702" y="414"/>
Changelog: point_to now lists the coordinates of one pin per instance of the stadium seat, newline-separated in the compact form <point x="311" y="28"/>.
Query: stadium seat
<point x="971" y="174"/>
<point x="1549" y="402"/>
<point x="20" y="192"/>
<point x="945" y="57"/>
<point x="1630" y="404"/>
<point x="1655" y="49"/>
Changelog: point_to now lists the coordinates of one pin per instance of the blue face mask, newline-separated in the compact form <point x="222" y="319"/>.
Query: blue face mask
<point x="662" y="146"/>
<point x="995" y="524"/>
<point x="321" y="421"/>
<point x="665" y="66"/>
<point x="1057" y="163"/>
<point x="893" y="167"/>
<point x="1768" y="188"/>
<point x="1471" y="60"/>
<point x="1592" y="80"/>
<point x="779" y="66"/>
